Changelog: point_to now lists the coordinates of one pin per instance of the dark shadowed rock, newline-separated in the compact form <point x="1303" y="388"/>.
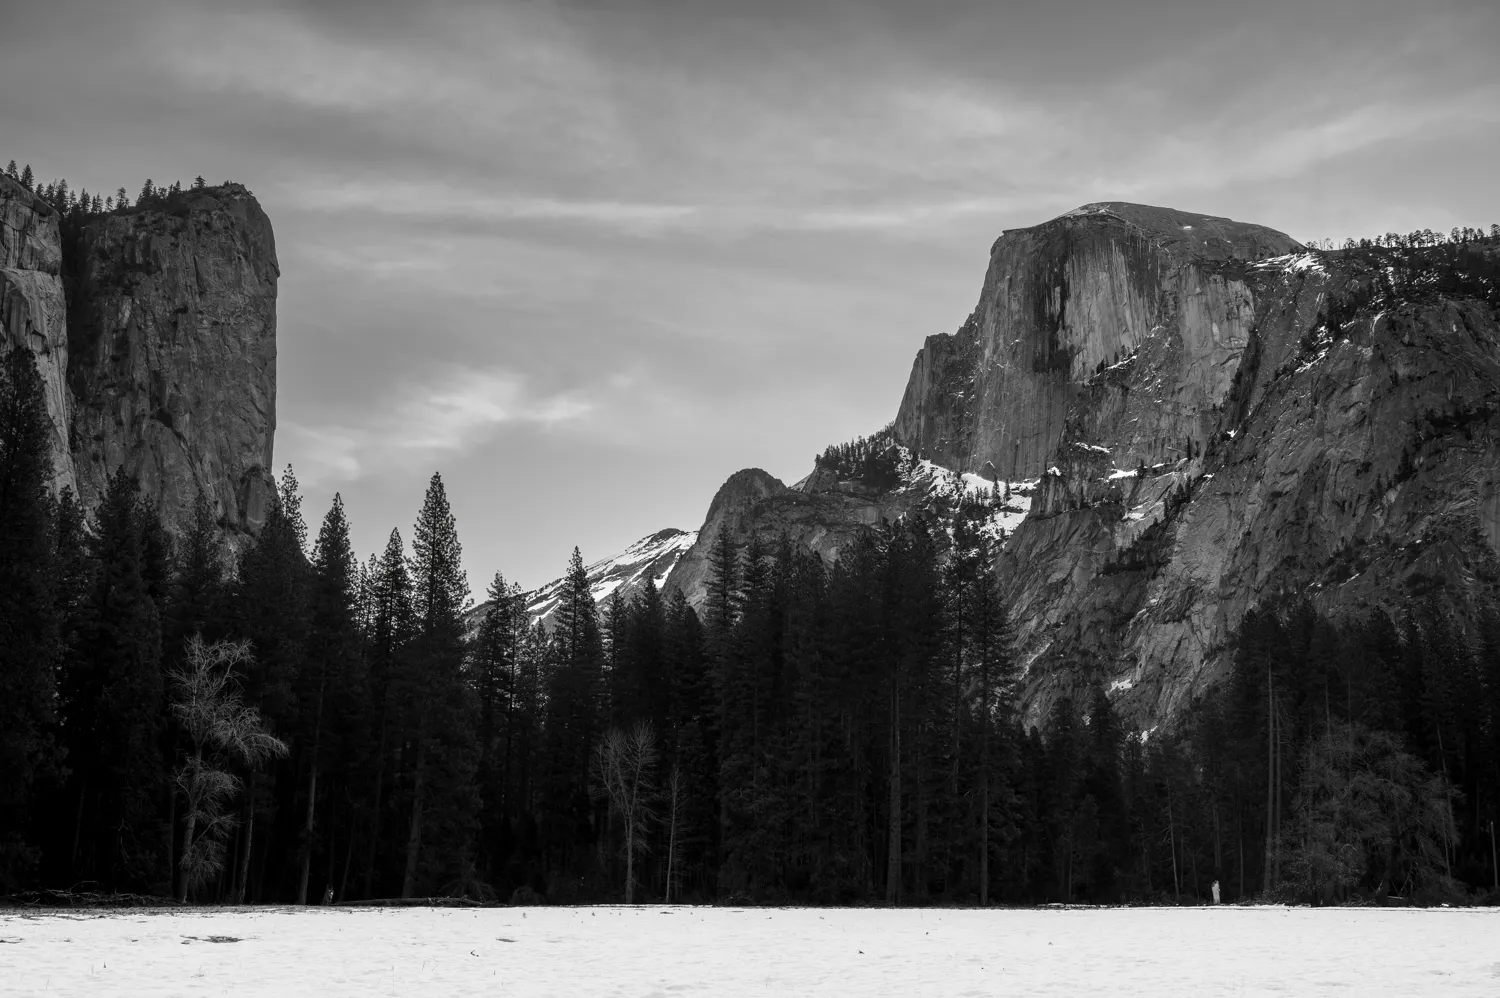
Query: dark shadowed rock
<point x="33" y="313"/>
<point x="172" y="347"/>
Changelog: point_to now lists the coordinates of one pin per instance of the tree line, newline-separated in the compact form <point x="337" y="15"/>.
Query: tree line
<point x="875" y="460"/>
<point x="77" y="205"/>
<point x="292" y="725"/>
<point x="1419" y="266"/>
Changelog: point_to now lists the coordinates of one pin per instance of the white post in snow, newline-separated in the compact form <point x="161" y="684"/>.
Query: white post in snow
<point x="1216" y="892"/>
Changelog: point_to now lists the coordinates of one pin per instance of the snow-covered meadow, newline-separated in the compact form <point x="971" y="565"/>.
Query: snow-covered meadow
<point x="672" y="951"/>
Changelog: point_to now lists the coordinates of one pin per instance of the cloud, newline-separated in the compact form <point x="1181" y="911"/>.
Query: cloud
<point x="508" y="81"/>
<point x="428" y="199"/>
<point x="455" y="412"/>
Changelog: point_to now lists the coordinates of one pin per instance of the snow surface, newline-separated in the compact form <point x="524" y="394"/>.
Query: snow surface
<point x="669" y="951"/>
<point x="1295" y="263"/>
<point x="628" y="568"/>
<point x="934" y="478"/>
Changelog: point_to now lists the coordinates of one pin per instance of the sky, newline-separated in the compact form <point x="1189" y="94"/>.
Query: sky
<point x="587" y="259"/>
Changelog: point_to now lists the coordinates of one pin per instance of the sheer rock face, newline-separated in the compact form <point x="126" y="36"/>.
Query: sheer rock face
<point x="33" y="311"/>
<point x="1348" y="470"/>
<point x="1146" y="295"/>
<point x="172" y="345"/>
<point x="1200" y="445"/>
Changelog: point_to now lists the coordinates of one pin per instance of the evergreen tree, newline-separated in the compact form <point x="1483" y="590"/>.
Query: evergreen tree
<point x="984" y="671"/>
<point x="199" y="578"/>
<point x="111" y="700"/>
<point x="573" y="723"/>
<point x="691" y="744"/>
<point x="30" y="628"/>
<point x="494" y="666"/>
<point x="1102" y="754"/>
<point x="914" y="675"/>
<point x="441" y="726"/>
<point x="331" y="670"/>
<point x="390" y="629"/>
<point x="272" y="607"/>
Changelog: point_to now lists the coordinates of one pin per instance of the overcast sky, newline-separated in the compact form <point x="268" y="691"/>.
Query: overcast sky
<point x="588" y="259"/>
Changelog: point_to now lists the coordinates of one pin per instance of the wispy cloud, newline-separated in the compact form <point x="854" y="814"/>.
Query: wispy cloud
<point x="426" y="199"/>
<point x="429" y="200"/>
<point x="455" y="412"/>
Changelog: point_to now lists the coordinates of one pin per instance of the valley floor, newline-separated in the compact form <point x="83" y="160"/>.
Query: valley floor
<point x="672" y="951"/>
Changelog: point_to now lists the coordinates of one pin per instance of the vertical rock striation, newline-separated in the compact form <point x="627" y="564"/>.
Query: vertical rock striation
<point x="1355" y="467"/>
<point x="33" y="313"/>
<point x="1195" y="437"/>
<point x="171" y="337"/>
<point x="1151" y="297"/>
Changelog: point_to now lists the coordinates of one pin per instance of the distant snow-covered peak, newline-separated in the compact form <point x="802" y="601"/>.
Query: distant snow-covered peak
<point x="652" y="557"/>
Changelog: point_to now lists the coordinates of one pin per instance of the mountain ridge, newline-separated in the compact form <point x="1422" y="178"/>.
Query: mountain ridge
<point x="1145" y="371"/>
<point x="651" y="558"/>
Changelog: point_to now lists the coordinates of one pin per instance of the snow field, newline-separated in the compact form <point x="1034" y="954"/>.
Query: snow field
<point x="672" y="951"/>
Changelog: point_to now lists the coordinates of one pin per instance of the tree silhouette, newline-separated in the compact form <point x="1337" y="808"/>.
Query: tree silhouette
<point x="206" y="700"/>
<point x="622" y="774"/>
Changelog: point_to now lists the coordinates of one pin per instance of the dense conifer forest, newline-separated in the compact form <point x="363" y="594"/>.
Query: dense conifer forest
<point x="282" y="722"/>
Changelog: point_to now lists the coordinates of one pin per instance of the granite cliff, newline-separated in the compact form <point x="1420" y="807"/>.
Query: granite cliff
<point x="1352" y="461"/>
<point x="1146" y="294"/>
<point x="155" y="332"/>
<point x="1189" y="430"/>
<point x="33" y="309"/>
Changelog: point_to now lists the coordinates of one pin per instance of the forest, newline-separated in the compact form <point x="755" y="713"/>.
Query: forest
<point x="278" y="721"/>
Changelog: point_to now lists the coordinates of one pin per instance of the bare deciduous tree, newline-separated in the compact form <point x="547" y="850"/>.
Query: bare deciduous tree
<point x="622" y="775"/>
<point x="206" y="700"/>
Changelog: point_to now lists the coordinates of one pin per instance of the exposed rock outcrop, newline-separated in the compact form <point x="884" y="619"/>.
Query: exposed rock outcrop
<point x="1118" y="324"/>
<point x="33" y="312"/>
<point x="1193" y="437"/>
<point x="154" y="331"/>
<point x="818" y="514"/>
<point x="1352" y="468"/>
<point x="172" y="347"/>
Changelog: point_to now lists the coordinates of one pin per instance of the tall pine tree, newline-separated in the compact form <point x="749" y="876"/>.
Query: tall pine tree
<point x="443" y="794"/>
